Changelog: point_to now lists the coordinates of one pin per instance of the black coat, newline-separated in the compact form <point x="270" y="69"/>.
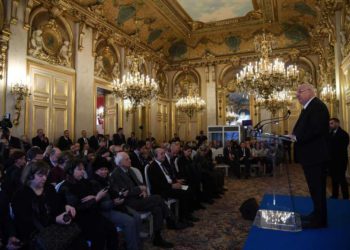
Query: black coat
<point x="64" y="144"/>
<point x="119" y="139"/>
<point x="338" y="148"/>
<point x="158" y="182"/>
<point x="36" y="141"/>
<point x="311" y="131"/>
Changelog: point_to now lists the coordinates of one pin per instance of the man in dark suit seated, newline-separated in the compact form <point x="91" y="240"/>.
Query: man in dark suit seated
<point x="244" y="158"/>
<point x="83" y="140"/>
<point x="137" y="157"/>
<point x="311" y="151"/>
<point x="64" y="142"/>
<point x="123" y="179"/>
<point x="40" y="140"/>
<point x="164" y="184"/>
<point x="338" y="146"/>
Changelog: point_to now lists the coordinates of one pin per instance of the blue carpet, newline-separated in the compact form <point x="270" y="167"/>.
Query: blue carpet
<point x="336" y="236"/>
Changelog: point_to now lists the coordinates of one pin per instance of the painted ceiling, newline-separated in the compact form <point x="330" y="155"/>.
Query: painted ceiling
<point x="182" y="29"/>
<point x="216" y="10"/>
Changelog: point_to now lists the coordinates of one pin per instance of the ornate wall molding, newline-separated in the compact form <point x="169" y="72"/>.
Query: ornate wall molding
<point x="51" y="37"/>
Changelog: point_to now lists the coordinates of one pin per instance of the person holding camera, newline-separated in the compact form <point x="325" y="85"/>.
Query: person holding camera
<point x="37" y="206"/>
<point x="112" y="204"/>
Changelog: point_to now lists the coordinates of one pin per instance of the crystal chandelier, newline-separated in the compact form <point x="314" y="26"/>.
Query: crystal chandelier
<point x="277" y="101"/>
<point x="191" y="103"/>
<point x="231" y="117"/>
<point x="328" y="93"/>
<point x="266" y="76"/>
<point x="135" y="86"/>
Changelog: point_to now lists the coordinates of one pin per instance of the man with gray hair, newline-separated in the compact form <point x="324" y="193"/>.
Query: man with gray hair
<point x="310" y="134"/>
<point x="123" y="179"/>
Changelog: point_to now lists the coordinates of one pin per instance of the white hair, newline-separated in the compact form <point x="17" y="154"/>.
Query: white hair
<point x="119" y="158"/>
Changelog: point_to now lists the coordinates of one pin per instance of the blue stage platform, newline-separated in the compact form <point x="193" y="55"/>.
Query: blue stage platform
<point x="335" y="237"/>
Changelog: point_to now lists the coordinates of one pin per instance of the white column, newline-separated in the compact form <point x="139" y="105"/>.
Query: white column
<point x="85" y="91"/>
<point x="17" y="68"/>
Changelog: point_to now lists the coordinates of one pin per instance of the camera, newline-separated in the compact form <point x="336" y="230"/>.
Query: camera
<point x="6" y="123"/>
<point x="67" y="217"/>
<point x="121" y="193"/>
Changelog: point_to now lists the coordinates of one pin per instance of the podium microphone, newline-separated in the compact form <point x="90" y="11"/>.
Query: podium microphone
<point x="262" y="123"/>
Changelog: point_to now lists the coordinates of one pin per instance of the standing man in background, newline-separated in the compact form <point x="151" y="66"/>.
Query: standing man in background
<point x="311" y="151"/>
<point x="338" y="148"/>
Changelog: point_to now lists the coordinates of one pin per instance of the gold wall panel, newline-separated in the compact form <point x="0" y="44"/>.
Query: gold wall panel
<point x="61" y="87"/>
<point x="40" y="118"/>
<point x="59" y="121"/>
<point x="51" y="105"/>
<point x="41" y="84"/>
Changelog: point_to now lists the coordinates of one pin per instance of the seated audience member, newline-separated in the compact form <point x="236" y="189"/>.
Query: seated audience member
<point x="52" y="156"/>
<point x="112" y="205"/>
<point x="191" y="176"/>
<point x="34" y="154"/>
<point x="40" y="140"/>
<point x="176" y="138"/>
<point x="25" y="143"/>
<point x="57" y="173"/>
<point x="244" y="158"/>
<point x="137" y="157"/>
<point x="162" y="183"/>
<point x="79" y="193"/>
<point x="231" y="158"/>
<point x="64" y="142"/>
<point x="36" y="205"/>
<point x="75" y="150"/>
<point x="8" y="238"/>
<point x="83" y="140"/>
<point x="212" y="179"/>
<point x="136" y="197"/>
<point x="201" y="138"/>
<point x="12" y="180"/>
<point x="103" y="150"/>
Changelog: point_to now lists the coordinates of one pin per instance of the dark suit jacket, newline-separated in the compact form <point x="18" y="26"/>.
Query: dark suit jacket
<point x="338" y="148"/>
<point x="93" y="142"/>
<point x="311" y="131"/>
<point x="15" y="142"/>
<point x="120" y="180"/>
<point x="119" y="139"/>
<point x="158" y="182"/>
<point x="81" y="142"/>
<point x="36" y="141"/>
<point x="64" y="144"/>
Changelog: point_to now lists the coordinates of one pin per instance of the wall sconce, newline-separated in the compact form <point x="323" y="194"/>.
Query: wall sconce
<point x="328" y="94"/>
<point x="20" y="91"/>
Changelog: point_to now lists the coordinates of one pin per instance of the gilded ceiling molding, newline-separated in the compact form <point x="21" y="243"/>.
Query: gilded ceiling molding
<point x="237" y="58"/>
<point x="14" y="9"/>
<point x="4" y="40"/>
<point x="27" y="11"/>
<point x="77" y="13"/>
<point x="345" y="31"/>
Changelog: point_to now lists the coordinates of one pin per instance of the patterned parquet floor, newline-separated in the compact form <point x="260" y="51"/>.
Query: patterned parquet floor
<point x="221" y="226"/>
